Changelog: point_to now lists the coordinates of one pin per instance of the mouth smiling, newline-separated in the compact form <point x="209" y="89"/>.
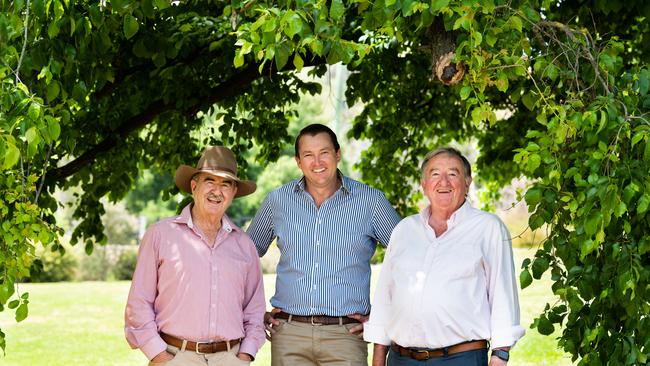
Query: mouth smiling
<point x="215" y="199"/>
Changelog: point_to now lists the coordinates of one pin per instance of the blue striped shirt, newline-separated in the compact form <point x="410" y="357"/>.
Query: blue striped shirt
<point x="325" y="252"/>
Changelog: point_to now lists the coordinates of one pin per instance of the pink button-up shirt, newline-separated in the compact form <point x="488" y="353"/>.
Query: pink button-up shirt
<point x="185" y="287"/>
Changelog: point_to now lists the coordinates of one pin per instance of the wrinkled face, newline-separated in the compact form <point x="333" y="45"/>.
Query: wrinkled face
<point x="318" y="160"/>
<point x="212" y="195"/>
<point x="444" y="183"/>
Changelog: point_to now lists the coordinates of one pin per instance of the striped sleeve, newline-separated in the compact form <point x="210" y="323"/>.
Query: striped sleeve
<point x="384" y="219"/>
<point x="261" y="228"/>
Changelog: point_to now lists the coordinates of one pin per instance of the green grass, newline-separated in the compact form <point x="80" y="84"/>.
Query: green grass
<point x="82" y="324"/>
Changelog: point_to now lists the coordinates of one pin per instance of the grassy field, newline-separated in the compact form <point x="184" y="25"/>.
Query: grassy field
<point x="82" y="324"/>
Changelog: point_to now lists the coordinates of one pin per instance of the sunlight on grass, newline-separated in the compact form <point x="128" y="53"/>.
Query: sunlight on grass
<point x="82" y="324"/>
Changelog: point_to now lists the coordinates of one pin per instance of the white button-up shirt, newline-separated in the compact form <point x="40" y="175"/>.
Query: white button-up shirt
<point x="435" y="292"/>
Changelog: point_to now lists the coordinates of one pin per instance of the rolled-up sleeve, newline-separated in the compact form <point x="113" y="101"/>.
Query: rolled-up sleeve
<point x="375" y="329"/>
<point x="140" y="326"/>
<point x="254" y="307"/>
<point x="502" y="290"/>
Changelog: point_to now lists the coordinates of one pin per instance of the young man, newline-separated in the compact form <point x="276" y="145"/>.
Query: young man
<point x="327" y="226"/>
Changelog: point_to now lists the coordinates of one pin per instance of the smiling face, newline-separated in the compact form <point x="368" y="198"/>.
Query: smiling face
<point x="318" y="159"/>
<point x="444" y="183"/>
<point x="212" y="195"/>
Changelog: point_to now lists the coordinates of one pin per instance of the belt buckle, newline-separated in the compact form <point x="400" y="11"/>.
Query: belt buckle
<point x="312" y="321"/>
<point x="196" y="347"/>
<point x="422" y="351"/>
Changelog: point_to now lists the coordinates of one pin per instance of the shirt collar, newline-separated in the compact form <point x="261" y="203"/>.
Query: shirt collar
<point x="186" y="218"/>
<point x="458" y="216"/>
<point x="345" y="183"/>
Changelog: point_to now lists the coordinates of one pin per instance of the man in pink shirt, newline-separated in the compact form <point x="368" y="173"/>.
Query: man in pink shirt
<point x="197" y="296"/>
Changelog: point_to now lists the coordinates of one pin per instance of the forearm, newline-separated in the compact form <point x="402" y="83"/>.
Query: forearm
<point x="379" y="355"/>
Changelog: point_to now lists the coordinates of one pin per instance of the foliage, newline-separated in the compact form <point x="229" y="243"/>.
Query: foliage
<point x="95" y="267"/>
<point x="125" y="265"/>
<point x="54" y="267"/>
<point x="92" y="92"/>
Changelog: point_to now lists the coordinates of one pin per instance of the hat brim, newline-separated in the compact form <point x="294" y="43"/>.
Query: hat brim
<point x="184" y="175"/>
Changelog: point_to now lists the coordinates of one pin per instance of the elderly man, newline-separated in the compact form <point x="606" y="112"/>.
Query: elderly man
<point x="327" y="226"/>
<point x="447" y="285"/>
<point x="197" y="296"/>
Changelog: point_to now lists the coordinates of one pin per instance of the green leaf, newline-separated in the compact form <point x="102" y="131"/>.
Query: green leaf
<point x="281" y="56"/>
<point x="21" y="312"/>
<point x="34" y="111"/>
<point x="529" y="100"/>
<point x="12" y="154"/>
<point x="642" y="206"/>
<point x="53" y="128"/>
<point x="603" y="120"/>
<point x="58" y="9"/>
<point x="515" y="23"/>
<point x="502" y="82"/>
<point x="6" y="290"/>
<point x="593" y="222"/>
<point x="637" y="137"/>
<point x="540" y="265"/>
<point x="437" y="5"/>
<point x="295" y="25"/>
<point x="53" y="29"/>
<point x="52" y="90"/>
<point x="533" y="196"/>
<point x="337" y="9"/>
<point x="464" y="92"/>
<point x="298" y="63"/>
<point x="544" y="326"/>
<point x="131" y="26"/>
<point x="525" y="279"/>
<point x="644" y="82"/>
<point x="161" y="4"/>
<point x="239" y="59"/>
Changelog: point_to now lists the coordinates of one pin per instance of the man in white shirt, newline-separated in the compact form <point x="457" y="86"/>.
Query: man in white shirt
<point x="447" y="285"/>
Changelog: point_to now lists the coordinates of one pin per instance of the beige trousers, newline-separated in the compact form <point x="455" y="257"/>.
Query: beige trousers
<point x="303" y="344"/>
<point x="191" y="358"/>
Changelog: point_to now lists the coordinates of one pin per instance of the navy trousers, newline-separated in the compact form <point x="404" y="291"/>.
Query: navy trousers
<point x="478" y="357"/>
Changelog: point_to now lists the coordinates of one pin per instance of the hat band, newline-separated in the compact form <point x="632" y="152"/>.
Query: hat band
<point x="217" y="168"/>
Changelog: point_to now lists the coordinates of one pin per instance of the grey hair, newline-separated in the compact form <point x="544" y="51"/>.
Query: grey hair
<point x="448" y="151"/>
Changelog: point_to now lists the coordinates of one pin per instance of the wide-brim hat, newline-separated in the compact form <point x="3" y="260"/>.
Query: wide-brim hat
<point x="218" y="161"/>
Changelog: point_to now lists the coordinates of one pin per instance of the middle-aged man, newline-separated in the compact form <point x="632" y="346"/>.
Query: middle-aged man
<point x="197" y="296"/>
<point x="447" y="284"/>
<point x="327" y="226"/>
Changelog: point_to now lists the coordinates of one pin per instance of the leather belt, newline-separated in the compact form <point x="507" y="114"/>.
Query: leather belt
<point x="316" y="319"/>
<point x="199" y="347"/>
<point x="425" y="354"/>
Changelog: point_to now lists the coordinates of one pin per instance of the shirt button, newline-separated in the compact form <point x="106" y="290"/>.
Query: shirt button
<point x="314" y="287"/>
<point x="213" y="305"/>
<point x="214" y="287"/>
<point x="318" y="243"/>
<point x="316" y="265"/>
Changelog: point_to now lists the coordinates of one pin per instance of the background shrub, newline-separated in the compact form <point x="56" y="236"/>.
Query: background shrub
<point x="125" y="265"/>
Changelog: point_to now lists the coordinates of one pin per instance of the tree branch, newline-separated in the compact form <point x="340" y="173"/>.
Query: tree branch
<point x="228" y="89"/>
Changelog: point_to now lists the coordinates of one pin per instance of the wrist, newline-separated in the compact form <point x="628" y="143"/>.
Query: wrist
<point x="501" y="354"/>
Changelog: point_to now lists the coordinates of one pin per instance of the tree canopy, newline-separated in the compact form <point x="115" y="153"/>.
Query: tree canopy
<point x="93" y="92"/>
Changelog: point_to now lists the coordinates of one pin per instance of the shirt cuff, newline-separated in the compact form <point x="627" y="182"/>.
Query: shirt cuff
<point x="507" y="337"/>
<point x="375" y="334"/>
<point x="152" y="348"/>
<point x="247" y="346"/>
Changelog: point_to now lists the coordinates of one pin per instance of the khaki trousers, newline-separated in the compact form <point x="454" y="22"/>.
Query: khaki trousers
<point x="303" y="344"/>
<point x="191" y="358"/>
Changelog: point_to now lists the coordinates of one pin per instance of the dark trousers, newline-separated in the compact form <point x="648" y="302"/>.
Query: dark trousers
<point x="478" y="357"/>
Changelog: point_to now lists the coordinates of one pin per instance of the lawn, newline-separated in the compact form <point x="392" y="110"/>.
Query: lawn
<point x="81" y="324"/>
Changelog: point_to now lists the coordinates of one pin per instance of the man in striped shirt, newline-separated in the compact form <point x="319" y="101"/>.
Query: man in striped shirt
<point x="327" y="226"/>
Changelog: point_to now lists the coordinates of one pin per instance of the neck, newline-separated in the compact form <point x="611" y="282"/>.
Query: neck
<point x="320" y="194"/>
<point x="207" y="223"/>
